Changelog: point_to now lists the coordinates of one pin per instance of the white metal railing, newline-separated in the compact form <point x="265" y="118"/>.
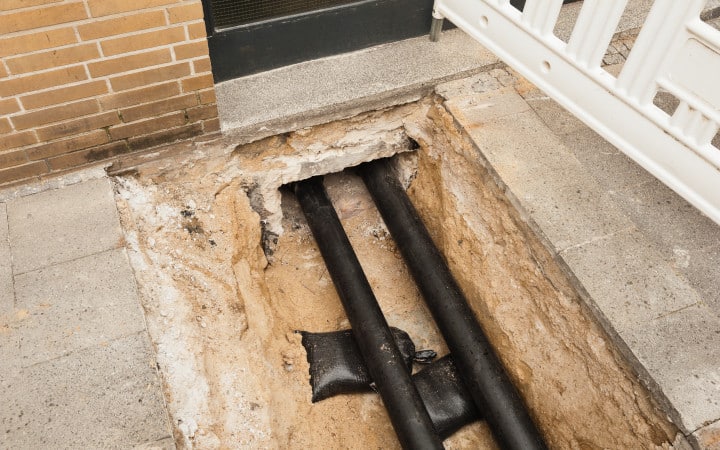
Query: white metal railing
<point x="674" y="51"/>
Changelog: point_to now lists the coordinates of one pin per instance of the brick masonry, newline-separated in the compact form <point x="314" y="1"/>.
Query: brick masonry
<point x="83" y="81"/>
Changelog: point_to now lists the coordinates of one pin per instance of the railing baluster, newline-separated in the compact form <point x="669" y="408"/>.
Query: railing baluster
<point x="707" y="132"/>
<point x="541" y="15"/>
<point x="654" y="45"/>
<point x="594" y="29"/>
<point x="694" y="124"/>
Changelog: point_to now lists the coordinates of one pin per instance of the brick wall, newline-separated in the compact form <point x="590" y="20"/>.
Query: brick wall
<point x="89" y="80"/>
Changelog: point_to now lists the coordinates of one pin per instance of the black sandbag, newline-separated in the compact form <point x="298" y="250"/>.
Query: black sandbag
<point x="446" y="398"/>
<point x="336" y="367"/>
<point x="336" y="364"/>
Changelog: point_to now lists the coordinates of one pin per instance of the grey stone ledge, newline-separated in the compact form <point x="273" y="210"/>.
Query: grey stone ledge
<point x="666" y="326"/>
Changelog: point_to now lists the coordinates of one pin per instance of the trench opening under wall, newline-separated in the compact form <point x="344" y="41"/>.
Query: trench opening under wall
<point x="227" y="270"/>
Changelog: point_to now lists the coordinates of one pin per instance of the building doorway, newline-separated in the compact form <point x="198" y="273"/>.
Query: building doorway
<point x="251" y="36"/>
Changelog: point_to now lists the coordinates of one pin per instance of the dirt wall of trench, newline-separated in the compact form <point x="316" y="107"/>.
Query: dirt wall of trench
<point x="580" y="390"/>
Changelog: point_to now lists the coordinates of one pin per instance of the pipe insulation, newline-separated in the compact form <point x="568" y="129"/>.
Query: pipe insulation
<point x="477" y="362"/>
<point x="384" y="361"/>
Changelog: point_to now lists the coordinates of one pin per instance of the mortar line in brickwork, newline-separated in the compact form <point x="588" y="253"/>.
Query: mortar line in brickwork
<point x="87" y="71"/>
<point x="105" y="78"/>
<point x="55" y="26"/>
<point x="100" y="50"/>
<point x="87" y="9"/>
<point x="100" y="58"/>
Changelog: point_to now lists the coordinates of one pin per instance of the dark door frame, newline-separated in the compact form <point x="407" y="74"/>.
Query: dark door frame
<point x="261" y="46"/>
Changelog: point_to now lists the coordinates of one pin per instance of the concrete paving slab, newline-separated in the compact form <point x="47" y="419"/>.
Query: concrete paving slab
<point x="101" y="397"/>
<point x="563" y="191"/>
<point x="666" y="218"/>
<point x="611" y="168"/>
<point x="7" y="294"/>
<point x="61" y="225"/>
<point x="482" y="83"/>
<point x="476" y="108"/>
<point x="628" y="280"/>
<point x="555" y="116"/>
<point x="700" y="267"/>
<point x="682" y="351"/>
<point x="685" y="237"/>
<point x="69" y="306"/>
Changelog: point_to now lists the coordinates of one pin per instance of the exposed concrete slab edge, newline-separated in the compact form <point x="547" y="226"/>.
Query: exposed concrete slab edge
<point x="56" y="181"/>
<point x="167" y="442"/>
<point x="352" y="107"/>
<point x="230" y="139"/>
<point x="587" y="300"/>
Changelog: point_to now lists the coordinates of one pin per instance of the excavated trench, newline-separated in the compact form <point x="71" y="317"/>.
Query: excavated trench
<point x="227" y="270"/>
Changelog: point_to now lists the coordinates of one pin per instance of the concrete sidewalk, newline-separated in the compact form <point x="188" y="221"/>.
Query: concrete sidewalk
<point x="78" y="369"/>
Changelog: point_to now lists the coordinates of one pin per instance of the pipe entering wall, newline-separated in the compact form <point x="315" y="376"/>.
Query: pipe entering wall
<point x="476" y="360"/>
<point x="385" y="363"/>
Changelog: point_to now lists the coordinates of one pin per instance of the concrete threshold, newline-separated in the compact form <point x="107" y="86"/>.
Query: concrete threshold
<point x="342" y="86"/>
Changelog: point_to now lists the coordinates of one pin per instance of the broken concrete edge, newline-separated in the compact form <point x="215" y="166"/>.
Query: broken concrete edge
<point x="100" y="169"/>
<point x="225" y="142"/>
<point x="686" y="438"/>
<point x="321" y="114"/>
<point x="228" y="141"/>
<point x="55" y="181"/>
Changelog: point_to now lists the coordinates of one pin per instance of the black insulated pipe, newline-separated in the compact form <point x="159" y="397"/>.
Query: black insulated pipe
<point x="384" y="361"/>
<point x="477" y="363"/>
